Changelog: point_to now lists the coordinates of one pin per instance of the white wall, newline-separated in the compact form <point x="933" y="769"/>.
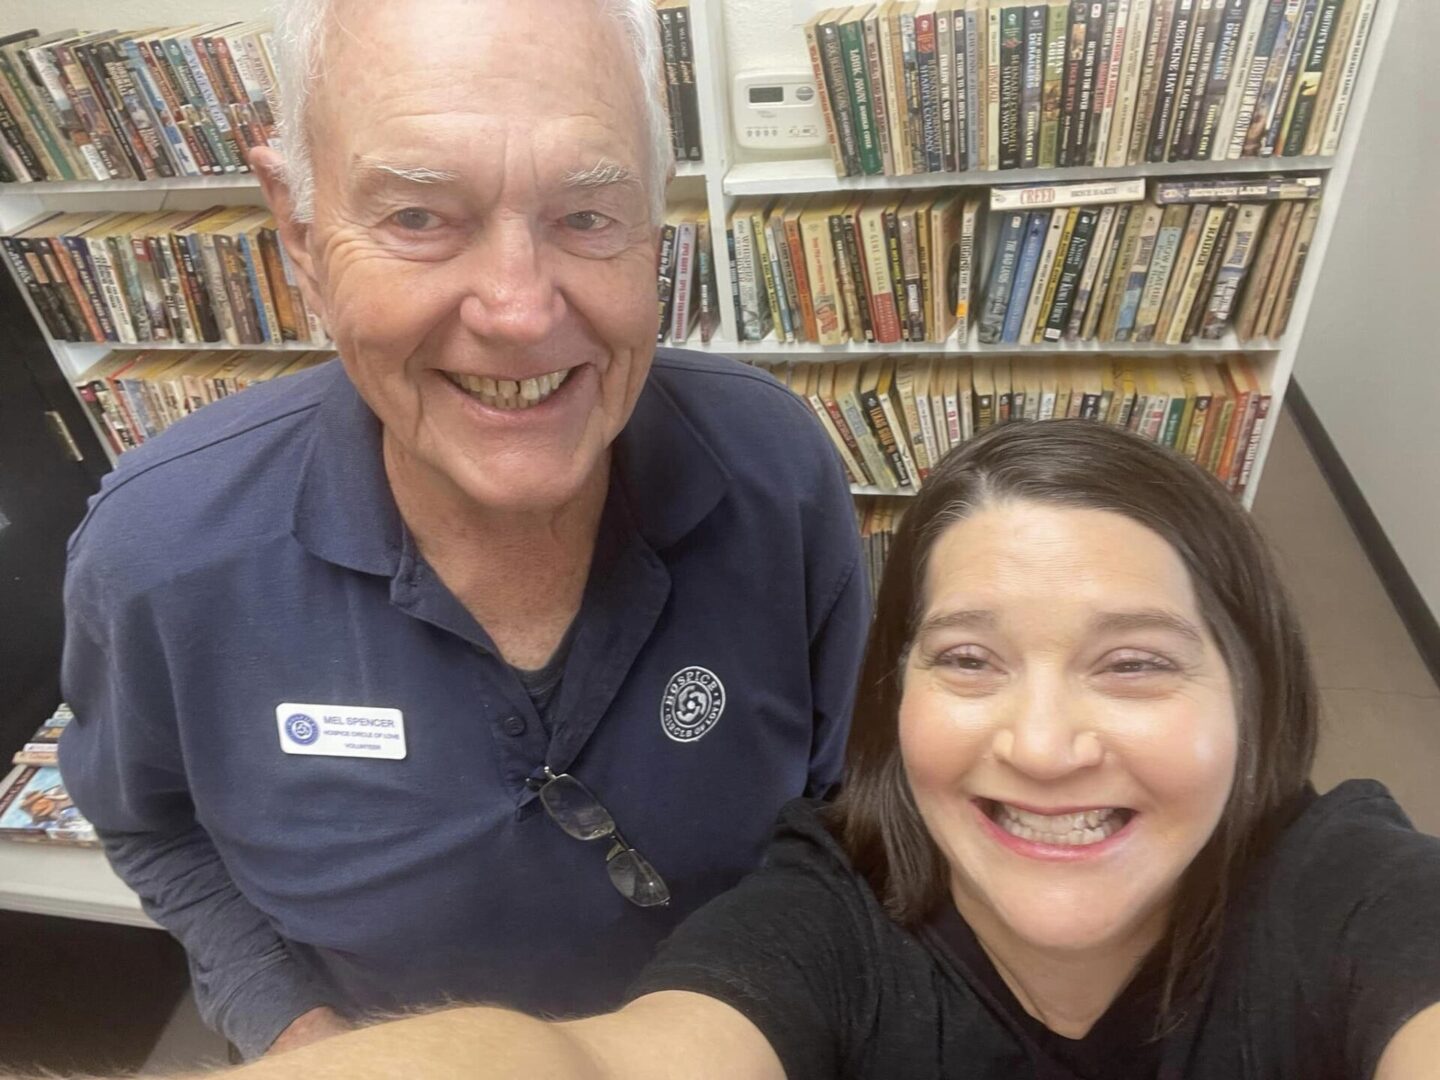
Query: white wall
<point x="1370" y="358"/>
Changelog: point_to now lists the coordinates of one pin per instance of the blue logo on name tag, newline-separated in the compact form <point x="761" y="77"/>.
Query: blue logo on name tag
<point x="302" y="729"/>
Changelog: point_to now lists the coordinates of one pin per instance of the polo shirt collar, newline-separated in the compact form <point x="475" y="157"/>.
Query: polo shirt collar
<point x="346" y="514"/>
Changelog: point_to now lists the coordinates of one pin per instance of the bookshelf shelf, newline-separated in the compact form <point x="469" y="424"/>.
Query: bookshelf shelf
<point x="813" y="175"/>
<point x="227" y="182"/>
<point x="771" y="350"/>
<point x="77" y="883"/>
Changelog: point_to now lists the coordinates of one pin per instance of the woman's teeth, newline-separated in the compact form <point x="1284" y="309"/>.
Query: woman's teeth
<point x="510" y="393"/>
<point x="1062" y="830"/>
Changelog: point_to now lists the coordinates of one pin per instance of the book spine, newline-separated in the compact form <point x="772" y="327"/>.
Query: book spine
<point x="87" y="56"/>
<point x="1052" y="84"/>
<point x="1258" y="33"/>
<point x="152" y="52"/>
<point x="1195" y="275"/>
<point x="684" y="306"/>
<point x="78" y="306"/>
<point x="1199" y="54"/>
<point x="1036" y="230"/>
<point x="879" y="97"/>
<point x="1162" y="263"/>
<point x="769" y="259"/>
<point x="737" y="306"/>
<point x="1276" y="53"/>
<point x="1103" y="53"/>
<point x="689" y="96"/>
<point x="965" y="277"/>
<point x="151" y="147"/>
<point x="963" y="68"/>
<point x="1011" y="76"/>
<point x="1042" y="292"/>
<point x="90" y="114"/>
<point x="1335" y="55"/>
<point x="1294" y="273"/>
<point x="1002" y="276"/>
<point x="837" y="79"/>
<point x="1119" y="273"/>
<point x="1235" y="262"/>
<point x="945" y="84"/>
<point x="31" y="275"/>
<point x="820" y="265"/>
<point x="670" y="58"/>
<point x="1168" y="80"/>
<point x="196" y="56"/>
<point x="992" y="85"/>
<point x="665" y="280"/>
<point x="1335" y="119"/>
<point x="886" y="437"/>
<point x="23" y="125"/>
<point x="854" y="460"/>
<point x="1085" y="105"/>
<point x="884" y="313"/>
<point x="1222" y="71"/>
<point x="1152" y="71"/>
<point x="894" y="411"/>
<point x="1252" y="445"/>
<point x="1127" y="90"/>
<point x="890" y="220"/>
<point x="927" y="73"/>
<point x="1139" y="271"/>
<point x="1307" y="87"/>
<point x="852" y="41"/>
<point x="795" y="243"/>
<point x="1214" y="259"/>
<point x="142" y="73"/>
<point x="1294" y="66"/>
<point x="874" y="457"/>
<point x="47" y="65"/>
<point x="1077" y="252"/>
<point x="977" y="61"/>
<point x="1104" y="227"/>
<point x="827" y="111"/>
<point x="1078" y="20"/>
<point x="1031" y="83"/>
<point x="1109" y="104"/>
<point x="846" y="286"/>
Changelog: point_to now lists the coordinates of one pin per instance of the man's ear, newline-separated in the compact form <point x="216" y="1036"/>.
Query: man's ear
<point x="269" y="167"/>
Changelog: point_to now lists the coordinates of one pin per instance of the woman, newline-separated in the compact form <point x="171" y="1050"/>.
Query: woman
<point x="1076" y="838"/>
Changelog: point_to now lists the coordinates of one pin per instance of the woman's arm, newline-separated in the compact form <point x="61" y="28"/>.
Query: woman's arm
<point x="1413" y="1052"/>
<point x="656" y="1037"/>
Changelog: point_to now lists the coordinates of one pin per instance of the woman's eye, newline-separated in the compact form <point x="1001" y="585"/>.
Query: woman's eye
<point x="586" y="220"/>
<point x="964" y="660"/>
<point x="1137" y="664"/>
<point x="414" y="219"/>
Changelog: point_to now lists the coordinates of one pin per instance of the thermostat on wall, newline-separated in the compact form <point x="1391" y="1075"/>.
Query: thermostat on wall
<point x="777" y="110"/>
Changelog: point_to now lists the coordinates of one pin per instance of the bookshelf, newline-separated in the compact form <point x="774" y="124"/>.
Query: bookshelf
<point x="725" y="175"/>
<point x="72" y="882"/>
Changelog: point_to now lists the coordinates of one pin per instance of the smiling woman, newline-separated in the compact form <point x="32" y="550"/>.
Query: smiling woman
<point x="1076" y="839"/>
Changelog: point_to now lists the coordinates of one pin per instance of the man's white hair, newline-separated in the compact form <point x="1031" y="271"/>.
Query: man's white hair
<point x="300" y="37"/>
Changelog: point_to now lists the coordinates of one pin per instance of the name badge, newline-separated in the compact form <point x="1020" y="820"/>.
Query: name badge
<point x="341" y="731"/>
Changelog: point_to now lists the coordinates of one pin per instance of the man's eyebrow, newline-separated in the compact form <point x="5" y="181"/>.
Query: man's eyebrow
<point x="1147" y="619"/>
<point x="413" y="174"/>
<point x="603" y="173"/>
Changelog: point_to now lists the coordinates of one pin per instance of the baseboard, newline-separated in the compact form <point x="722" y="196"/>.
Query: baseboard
<point x="1414" y="612"/>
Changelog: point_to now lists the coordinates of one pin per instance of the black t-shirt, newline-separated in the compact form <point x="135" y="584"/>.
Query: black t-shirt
<point x="1333" y="944"/>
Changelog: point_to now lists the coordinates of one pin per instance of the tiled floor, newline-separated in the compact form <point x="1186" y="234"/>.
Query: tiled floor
<point x="1381" y="709"/>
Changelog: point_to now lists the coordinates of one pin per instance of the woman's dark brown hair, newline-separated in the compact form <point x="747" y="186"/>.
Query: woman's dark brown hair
<point x="1083" y="464"/>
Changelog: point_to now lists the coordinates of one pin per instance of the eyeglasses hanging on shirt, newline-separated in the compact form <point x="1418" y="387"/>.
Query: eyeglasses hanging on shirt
<point x="574" y="807"/>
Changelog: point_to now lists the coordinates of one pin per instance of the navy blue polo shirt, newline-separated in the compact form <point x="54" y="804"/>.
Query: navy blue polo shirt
<point x="254" y="557"/>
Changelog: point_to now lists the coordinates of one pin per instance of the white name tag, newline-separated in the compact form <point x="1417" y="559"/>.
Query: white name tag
<point x="341" y="731"/>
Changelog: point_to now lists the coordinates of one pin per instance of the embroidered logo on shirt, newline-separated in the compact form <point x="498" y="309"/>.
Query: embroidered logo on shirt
<point x="694" y="699"/>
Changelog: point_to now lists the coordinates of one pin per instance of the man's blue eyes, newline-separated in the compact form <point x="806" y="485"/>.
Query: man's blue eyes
<point x="413" y="219"/>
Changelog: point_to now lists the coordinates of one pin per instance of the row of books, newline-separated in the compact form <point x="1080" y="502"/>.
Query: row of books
<point x="136" y="394"/>
<point x="955" y="85"/>
<point x="687" y="275"/>
<point x="829" y="269"/>
<point x="878" y="519"/>
<point x="135" y="104"/>
<point x="892" y="419"/>
<point x="1164" y="269"/>
<point x="34" y="804"/>
<point x="678" y="46"/>
<point x="214" y="275"/>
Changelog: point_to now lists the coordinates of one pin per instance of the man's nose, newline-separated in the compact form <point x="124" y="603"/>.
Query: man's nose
<point x="511" y="294"/>
<point x="1047" y="733"/>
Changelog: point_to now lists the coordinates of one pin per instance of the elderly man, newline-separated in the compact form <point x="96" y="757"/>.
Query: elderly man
<point x="358" y="660"/>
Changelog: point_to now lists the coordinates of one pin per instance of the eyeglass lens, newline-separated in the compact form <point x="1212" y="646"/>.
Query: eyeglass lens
<point x="573" y="807"/>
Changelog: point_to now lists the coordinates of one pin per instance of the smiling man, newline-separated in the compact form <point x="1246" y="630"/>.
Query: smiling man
<point x="360" y="659"/>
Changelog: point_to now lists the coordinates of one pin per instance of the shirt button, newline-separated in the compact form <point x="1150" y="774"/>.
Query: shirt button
<point x="513" y="725"/>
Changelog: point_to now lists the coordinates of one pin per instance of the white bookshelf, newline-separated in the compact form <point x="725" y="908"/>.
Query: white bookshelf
<point x="74" y="882"/>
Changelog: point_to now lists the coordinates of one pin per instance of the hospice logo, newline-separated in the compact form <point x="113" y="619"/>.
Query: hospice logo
<point x="694" y="699"/>
<point x="302" y="729"/>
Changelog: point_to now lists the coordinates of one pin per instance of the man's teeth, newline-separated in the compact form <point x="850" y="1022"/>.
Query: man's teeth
<point x="510" y="393"/>
<point x="1065" y="830"/>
